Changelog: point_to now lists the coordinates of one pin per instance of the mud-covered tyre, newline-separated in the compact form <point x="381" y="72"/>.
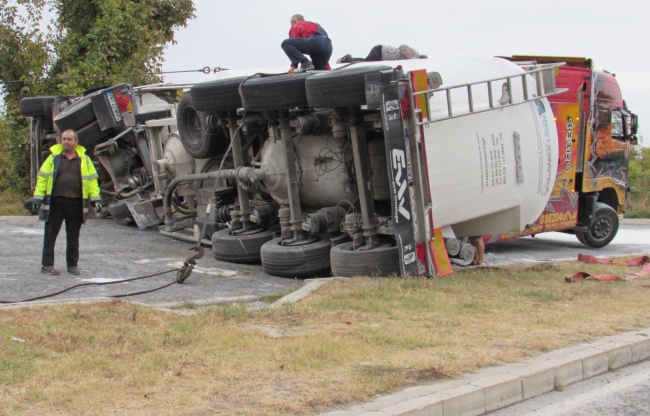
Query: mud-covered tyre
<point x="199" y="141"/>
<point x="302" y="261"/>
<point x="603" y="229"/>
<point x="279" y="92"/>
<point x="216" y="96"/>
<point x="242" y="248"/>
<point x="76" y="116"/>
<point x="380" y="261"/>
<point x="342" y="88"/>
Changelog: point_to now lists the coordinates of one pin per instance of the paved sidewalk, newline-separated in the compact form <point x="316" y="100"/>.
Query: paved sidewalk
<point x="497" y="387"/>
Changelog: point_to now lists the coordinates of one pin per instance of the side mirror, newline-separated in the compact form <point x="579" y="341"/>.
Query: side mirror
<point x="623" y="124"/>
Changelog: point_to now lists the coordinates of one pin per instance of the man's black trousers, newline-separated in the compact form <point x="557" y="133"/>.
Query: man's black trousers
<point x="69" y="210"/>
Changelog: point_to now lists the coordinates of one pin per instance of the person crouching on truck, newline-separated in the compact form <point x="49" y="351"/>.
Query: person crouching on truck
<point x="307" y="38"/>
<point x="65" y="186"/>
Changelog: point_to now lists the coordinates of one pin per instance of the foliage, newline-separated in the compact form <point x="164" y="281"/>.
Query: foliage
<point x="14" y="156"/>
<point x="114" y="37"/>
<point x="84" y="45"/>
<point x="639" y="182"/>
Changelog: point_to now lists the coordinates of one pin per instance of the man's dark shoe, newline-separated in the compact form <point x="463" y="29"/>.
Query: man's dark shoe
<point x="305" y="66"/>
<point x="50" y="270"/>
<point x="73" y="270"/>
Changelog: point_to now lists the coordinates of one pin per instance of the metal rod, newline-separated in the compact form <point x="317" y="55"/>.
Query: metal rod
<point x="362" y="169"/>
<point x="238" y="159"/>
<point x="293" y="185"/>
<point x="524" y="85"/>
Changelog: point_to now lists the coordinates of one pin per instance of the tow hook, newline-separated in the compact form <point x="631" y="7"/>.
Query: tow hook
<point x="186" y="270"/>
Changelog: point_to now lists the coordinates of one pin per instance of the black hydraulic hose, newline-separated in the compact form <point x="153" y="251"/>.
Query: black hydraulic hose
<point x="97" y="284"/>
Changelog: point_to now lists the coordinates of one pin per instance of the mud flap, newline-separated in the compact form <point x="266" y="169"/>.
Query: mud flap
<point x="401" y="178"/>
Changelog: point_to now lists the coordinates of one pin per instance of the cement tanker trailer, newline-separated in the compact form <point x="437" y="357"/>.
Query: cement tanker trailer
<point x="363" y="170"/>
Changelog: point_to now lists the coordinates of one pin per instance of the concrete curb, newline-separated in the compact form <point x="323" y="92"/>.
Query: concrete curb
<point x="497" y="387"/>
<point x="298" y="295"/>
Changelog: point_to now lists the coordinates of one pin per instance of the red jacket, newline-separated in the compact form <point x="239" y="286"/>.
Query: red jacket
<point x="303" y="29"/>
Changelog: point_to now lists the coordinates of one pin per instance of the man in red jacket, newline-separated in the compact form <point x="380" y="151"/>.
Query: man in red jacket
<point x="307" y="38"/>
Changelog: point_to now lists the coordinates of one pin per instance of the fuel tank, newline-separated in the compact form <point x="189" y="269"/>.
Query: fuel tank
<point x="321" y="166"/>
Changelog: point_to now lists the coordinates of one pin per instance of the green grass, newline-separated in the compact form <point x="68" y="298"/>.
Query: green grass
<point x="12" y="204"/>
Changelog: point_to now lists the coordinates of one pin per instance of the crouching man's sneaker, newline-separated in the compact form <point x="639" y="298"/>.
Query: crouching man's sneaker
<point x="74" y="270"/>
<point x="50" y="270"/>
<point x="305" y="66"/>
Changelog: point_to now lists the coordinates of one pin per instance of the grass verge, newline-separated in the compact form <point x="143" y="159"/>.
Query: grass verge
<point x="12" y="204"/>
<point x="347" y="342"/>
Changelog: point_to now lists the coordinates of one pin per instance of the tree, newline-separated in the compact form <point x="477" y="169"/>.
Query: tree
<point x="639" y="181"/>
<point x="86" y="44"/>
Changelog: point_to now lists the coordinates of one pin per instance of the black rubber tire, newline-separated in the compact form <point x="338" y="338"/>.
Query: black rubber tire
<point x="281" y="92"/>
<point x="199" y="141"/>
<point x="580" y="235"/>
<point x="36" y="106"/>
<point x="218" y="95"/>
<point x="307" y="260"/>
<point x="92" y="134"/>
<point x="240" y="248"/>
<point x="342" y="88"/>
<point x="603" y="229"/>
<point x="380" y="261"/>
<point x="77" y="115"/>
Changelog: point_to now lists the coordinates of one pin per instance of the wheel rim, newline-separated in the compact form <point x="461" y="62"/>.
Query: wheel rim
<point x="193" y="123"/>
<point x="602" y="228"/>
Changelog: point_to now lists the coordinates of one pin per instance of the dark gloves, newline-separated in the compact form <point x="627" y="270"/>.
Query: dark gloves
<point x="32" y="205"/>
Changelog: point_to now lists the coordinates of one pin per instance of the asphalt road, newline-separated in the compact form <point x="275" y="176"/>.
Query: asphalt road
<point x="625" y="392"/>
<point x="633" y="237"/>
<point x="110" y="252"/>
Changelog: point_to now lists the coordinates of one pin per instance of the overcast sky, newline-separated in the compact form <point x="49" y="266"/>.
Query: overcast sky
<point x="247" y="34"/>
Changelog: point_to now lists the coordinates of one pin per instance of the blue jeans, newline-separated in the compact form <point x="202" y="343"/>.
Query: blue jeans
<point x="319" y="48"/>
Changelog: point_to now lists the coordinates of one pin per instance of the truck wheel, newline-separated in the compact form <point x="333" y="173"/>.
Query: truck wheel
<point x="346" y="87"/>
<point x="36" y="106"/>
<point x="603" y="229"/>
<point x="306" y="260"/>
<point x="77" y="115"/>
<point x="40" y="107"/>
<point x="218" y="95"/>
<point x="279" y="92"/>
<point x="240" y="248"/>
<point x="380" y="261"/>
<point x="199" y="141"/>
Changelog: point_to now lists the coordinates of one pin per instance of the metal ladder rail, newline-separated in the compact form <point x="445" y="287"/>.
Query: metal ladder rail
<point x="537" y="71"/>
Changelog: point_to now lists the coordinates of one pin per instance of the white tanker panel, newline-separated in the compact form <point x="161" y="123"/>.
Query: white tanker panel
<point x="489" y="172"/>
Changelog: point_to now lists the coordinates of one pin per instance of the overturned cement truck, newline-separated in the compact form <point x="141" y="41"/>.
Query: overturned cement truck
<point x="363" y="170"/>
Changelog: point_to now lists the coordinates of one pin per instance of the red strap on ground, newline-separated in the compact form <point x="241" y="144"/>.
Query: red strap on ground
<point x="643" y="261"/>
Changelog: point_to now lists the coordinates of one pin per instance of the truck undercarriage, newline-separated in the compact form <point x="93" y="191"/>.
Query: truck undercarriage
<point x="315" y="174"/>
